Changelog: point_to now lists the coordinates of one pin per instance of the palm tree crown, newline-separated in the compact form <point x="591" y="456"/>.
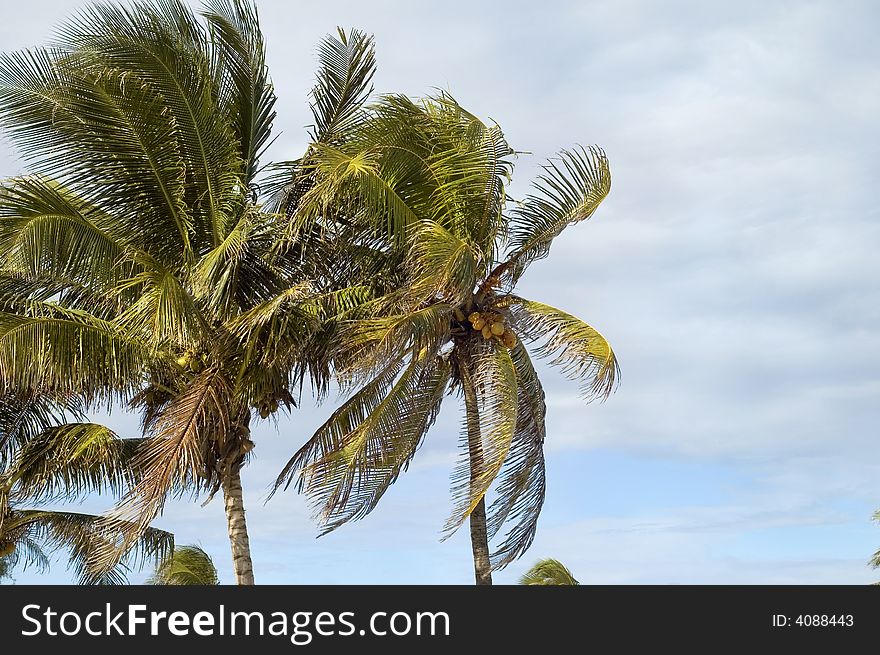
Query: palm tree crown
<point x="425" y="184"/>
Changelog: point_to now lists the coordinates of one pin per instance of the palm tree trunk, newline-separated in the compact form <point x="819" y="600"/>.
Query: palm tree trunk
<point x="242" y="565"/>
<point x="480" y="544"/>
<point x="479" y="534"/>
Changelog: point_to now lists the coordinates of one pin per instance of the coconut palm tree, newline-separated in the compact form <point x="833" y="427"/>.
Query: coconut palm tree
<point x="137" y="263"/>
<point x="187" y="565"/>
<point x="548" y="572"/>
<point x="425" y="182"/>
<point x="43" y="463"/>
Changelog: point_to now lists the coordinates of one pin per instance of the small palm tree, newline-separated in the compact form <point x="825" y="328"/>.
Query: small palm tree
<point x="137" y="264"/>
<point x="548" y="572"/>
<point x="425" y="184"/>
<point x="187" y="565"/>
<point x="41" y="463"/>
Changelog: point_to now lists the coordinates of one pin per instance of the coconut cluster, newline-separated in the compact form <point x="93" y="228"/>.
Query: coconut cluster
<point x="191" y="361"/>
<point x="493" y="327"/>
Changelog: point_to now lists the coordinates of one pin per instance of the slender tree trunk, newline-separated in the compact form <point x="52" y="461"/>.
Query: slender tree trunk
<point x="480" y="544"/>
<point x="242" y="565"/>
<point x="479" y="534"/>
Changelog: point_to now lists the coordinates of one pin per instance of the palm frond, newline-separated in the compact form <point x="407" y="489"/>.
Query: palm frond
<point x="347" y="482"/>
<point x="442" y="264"/>
<point x="172" y="460"/>
<point x="71" y="460"/>
<point x="578" y="349"/>
<point x="81" y="535"/>
<point x="347" y="65"/>
<point x="246" y="92"/>
<point x="165" y="49"/>
<point x="521" y="484"/>
<point x="568" y="192"/>
<point x="49" y="346"/>
<point x="489" y="385"/>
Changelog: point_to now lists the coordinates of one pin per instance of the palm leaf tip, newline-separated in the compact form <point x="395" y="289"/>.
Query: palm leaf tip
<point x="578" y="349"/>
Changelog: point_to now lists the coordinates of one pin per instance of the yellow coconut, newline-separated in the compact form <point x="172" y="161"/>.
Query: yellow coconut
<point x="474" y="317"/>
<point x="487" y="332"/>
<point x="497" y="328"/>
<point x="479" y="324"/>
<point x="183" y="360"/>
<point x="508" y="338"/>
<point x="459" y="315"/>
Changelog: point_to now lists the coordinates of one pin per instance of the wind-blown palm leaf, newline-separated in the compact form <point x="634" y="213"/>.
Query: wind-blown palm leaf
<point x="246" y="95"/>
<point x="568" y="192"/>
<point x="490" y="391"/>
<point x="187" y="565"/>
<point x="347" y="482"/>
<point x="66" y="349"/>
<point x="521" y="484"/>
<point x="77" y="532"/>
<point x="46" y="230"/>
<point x="548" y="572"/>
<point x="348" y="64"/>
<point x="70" y="460"/>
<point x="578" y="349"/>
<point x="171" y="460"/>
<point x="442" y="264"/>
<point x="26" y="414"/>
<point x="165" y="48"/>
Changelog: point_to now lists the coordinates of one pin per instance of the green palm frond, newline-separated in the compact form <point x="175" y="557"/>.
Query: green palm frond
<point x="347" y="481"/>
<point x="49" y="346"/>
<point x="344" y="421"/>
<point x="548" y="572"/>
<point x="47" y="230"/>
<point x="370" y="343"/>
<point x="568" y="192"/>
<point x="246" y="93"/>
<point x="489" y="385"/>
<point x="347" y="66"/>
<point x="519" y="492"/>
<point x="187" y="565"/>
<point x="70" y="460"/>
<point x="578" y="349"/>
<point x="442" y="264"/>
<point x="36" y="532"/>
<point x="26" y="414"/>
<point x="165" y="49"/>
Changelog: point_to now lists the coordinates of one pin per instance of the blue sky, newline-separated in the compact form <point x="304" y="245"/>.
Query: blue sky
<point x="733" y="267"/>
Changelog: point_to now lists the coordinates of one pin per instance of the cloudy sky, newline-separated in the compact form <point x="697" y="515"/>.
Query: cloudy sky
<point x="733" y="267"/>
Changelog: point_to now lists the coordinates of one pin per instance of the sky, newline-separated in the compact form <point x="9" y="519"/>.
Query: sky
<point x="733" y="268"/>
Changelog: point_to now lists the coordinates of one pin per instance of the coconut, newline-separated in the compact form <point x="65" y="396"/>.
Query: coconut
<point x="473" y="318"/>
<point x="183" y="360"/>
<point x="264" y="412"/>
<point x="508" y="338"/>
<point x="479" y="324"/>
<point x="459" y="315"/>
<point x="487" y="332"/>
<point x="497" y="328"/>
<point x="195" y="365"/>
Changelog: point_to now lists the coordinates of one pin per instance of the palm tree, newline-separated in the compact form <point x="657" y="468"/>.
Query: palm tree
<point x="424" y="182"/>
<point x="40" y="463"/>
<point x="187" y="565"/>
<point x="137" y="264"/>
<point x="548" y="572"/>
